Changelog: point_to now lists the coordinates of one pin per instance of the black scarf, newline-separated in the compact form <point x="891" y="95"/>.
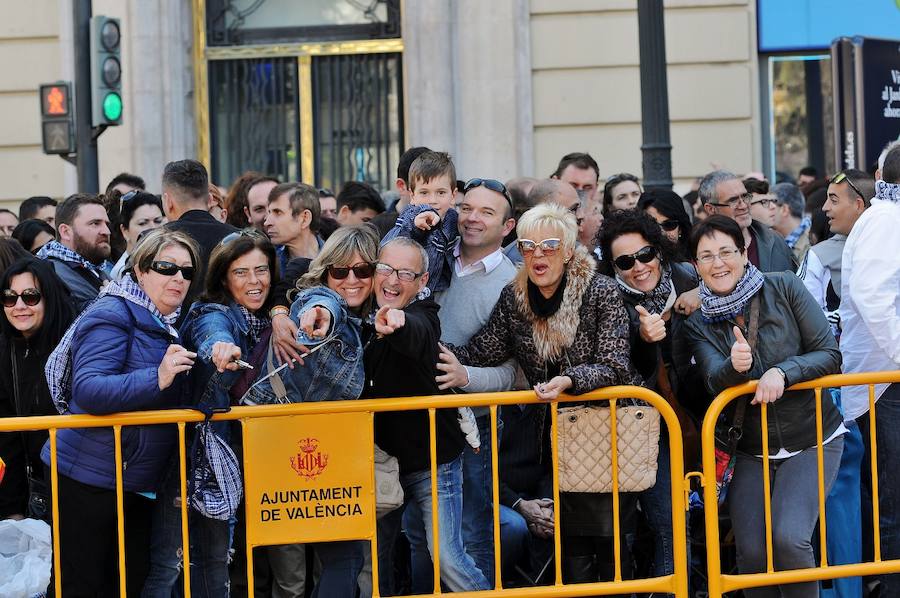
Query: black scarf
<point x="546" y="307"/>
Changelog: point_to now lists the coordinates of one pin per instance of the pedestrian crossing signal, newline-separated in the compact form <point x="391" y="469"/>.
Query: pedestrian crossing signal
<point x="55" y="99"/>
<point x="57" y="124"/>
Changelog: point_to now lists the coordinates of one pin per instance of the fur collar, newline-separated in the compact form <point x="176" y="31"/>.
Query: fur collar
<point x="553" y="335"/>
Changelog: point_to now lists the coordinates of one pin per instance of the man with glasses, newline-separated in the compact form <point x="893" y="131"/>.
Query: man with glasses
<point x="480" y="271"/>
<point x="870" y="342"/>
<point x="399" y="362"/>
<point x="722" y="192"/>
<point x="580" y="170"/>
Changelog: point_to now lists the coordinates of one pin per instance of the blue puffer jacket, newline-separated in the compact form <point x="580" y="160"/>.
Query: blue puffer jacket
<point x="333" y="373"/>
<point x="116" y="351"/>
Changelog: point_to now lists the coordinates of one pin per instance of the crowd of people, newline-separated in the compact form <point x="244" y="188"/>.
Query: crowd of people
<point x="129" y="301"/>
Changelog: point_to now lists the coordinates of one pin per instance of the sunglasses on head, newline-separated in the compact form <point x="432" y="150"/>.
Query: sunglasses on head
<point x="842" y="177"/>
<point x="245" y="232"/>
<point x="644" y="256"/>
<point x="548" y="246"/>
<point x="30" y="297"/>
<point x="492" y="184"/>
<point x="170" y="269"/>
<point x="360" y="271"/>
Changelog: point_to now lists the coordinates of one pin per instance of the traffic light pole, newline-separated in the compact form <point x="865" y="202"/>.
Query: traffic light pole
<point x="86" y="138"/>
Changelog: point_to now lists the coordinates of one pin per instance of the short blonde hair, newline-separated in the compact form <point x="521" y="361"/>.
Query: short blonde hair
<point x="549" y="215"/>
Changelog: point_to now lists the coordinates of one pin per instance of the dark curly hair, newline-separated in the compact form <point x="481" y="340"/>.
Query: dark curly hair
<point x="631" y="221"/>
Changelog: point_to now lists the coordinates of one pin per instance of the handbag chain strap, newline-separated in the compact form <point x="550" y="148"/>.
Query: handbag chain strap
<point x="736" y="430"/>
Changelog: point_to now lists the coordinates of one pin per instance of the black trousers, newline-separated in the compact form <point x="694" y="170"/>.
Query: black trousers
<point x="88" y="540"/>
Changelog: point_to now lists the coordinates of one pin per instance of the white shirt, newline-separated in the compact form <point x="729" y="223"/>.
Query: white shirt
<point x="815" y="277"/>
<point x="870" y="301"/>
<point x="486" y="264"/>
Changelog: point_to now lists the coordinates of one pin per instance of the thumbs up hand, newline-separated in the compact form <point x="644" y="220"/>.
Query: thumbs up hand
<point x="741" y="355"/>
<point x="653" y="327"/>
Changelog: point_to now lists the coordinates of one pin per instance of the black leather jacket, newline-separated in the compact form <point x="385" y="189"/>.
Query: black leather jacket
<point x="794" y="336"/>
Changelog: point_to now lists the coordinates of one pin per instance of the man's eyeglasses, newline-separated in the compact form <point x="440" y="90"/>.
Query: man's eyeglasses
<point x="842" y="177"/>
<point x="548" y="246"/>
<point x="360" y="271"/>
<point x="763" y="201"/>
<point x="732" y="202"/>
<point x="492" y="184"/>
<point x="383" y="269"/>
<point x="170" y="269"/>
<point x="645" y="255"/>
<point x="726" y="255"/>
<point x="246" y="232"/>
<point x="30" y="297"/>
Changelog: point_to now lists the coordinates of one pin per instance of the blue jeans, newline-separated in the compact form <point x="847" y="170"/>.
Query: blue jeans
<point x="478" y="501"/>
<point x="843" y="509"/>
<point x="209" y="544"/>
<point x="887" y="435"/>
<point x="458" y="570"/>
<point x="656" y="504"/>
<point x="341" y="564"/>
<point x="795" y="511"/>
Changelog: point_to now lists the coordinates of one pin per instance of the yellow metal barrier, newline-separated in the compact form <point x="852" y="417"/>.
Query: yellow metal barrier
<point x="719" y="583"/>
<point x="296" y="414"/>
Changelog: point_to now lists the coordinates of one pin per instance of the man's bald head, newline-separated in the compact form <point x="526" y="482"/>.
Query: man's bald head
<point x="554" y="191"/>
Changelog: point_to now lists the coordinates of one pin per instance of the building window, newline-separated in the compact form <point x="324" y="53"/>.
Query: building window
<point x="254" y="119"/>
<point x="242" y="22"/>
<point x="358" y="125"/>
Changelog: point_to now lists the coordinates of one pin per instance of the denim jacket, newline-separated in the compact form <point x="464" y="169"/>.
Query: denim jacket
<point x="332" y="373"/>
<point x="206" y="325"/>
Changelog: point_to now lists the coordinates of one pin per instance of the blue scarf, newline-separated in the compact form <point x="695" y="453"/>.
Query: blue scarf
<point x="887" y="191"/>
<point x="718" y="308"/>
<point x="795" y="235"/>
<point x="131" y="291"/>
<point x="61" y="252"/>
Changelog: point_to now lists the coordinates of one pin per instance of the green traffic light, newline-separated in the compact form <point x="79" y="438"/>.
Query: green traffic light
<point x="112" y="106"/>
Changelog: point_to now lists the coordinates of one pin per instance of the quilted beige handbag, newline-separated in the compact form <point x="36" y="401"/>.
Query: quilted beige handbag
<point x="585" y="462"/>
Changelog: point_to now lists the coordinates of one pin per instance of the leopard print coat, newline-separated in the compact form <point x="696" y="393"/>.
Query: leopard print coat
<point x="588" y="336"/>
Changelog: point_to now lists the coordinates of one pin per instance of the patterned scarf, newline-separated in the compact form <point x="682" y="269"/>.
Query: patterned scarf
<point x="795" y="235"/>
<point x="255" y="323"/>
<point x="656" y="301"/>
<point x="129" y="290"/>
<point x="716" y="308"/>
<point x="887" y="191"/>
<point x="61" y="252"/>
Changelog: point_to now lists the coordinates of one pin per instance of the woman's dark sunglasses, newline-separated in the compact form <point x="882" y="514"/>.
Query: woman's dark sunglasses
<point x="30" y="297"/>
<point x="170" y="269"/>
<point x="644" y="256"/>
<point x="669" y="225"/>
<point x="361" y="271"/>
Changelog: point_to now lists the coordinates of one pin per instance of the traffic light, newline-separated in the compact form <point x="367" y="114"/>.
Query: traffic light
<point x="57" y="123"/>
<point x="106" y="71"/>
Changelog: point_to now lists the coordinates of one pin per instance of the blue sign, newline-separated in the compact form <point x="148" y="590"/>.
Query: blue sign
<point x="791" y="25"/>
